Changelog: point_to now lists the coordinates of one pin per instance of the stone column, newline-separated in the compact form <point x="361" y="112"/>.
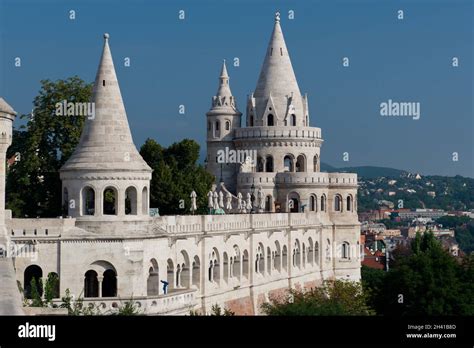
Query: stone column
<point x="100" y="279"/>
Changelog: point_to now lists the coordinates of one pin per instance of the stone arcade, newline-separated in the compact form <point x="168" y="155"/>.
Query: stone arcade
<point x="111" y="252"/>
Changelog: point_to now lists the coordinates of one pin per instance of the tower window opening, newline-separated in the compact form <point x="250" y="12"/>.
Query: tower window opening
<point x="281" y="51"/>
<point x="293" y="120"/>
<point x="271" y="51"/>
<point x="270" y="121"/>
<point x="103" y="82"/>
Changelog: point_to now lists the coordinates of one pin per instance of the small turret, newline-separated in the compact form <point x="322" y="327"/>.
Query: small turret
<point x="222" y="119"/>
<point x="106" y="177"/>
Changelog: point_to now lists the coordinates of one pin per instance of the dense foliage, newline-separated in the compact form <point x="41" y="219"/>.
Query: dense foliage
<point x="176" y="174"/>
<point x="41" y="147"/>
<point x="336" y="297"/>
<point x="427" y="281"/>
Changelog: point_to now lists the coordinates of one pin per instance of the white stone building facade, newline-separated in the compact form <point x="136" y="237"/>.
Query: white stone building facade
<point x="110" y="250"/>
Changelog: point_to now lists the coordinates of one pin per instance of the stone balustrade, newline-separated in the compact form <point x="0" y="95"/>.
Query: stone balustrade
<point x="318" y="178"/>
<point x="278" y="132"/>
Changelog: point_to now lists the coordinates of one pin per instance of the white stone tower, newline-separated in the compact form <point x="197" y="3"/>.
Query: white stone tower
<point x="106" y="178"/>
<point x="7" y="116"/>
<point x="222" y="120"/>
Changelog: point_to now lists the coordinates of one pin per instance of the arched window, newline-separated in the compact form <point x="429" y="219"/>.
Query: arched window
<point x="301" y="163"/>
<point x="32" y="278"/>
<point x="214" y="266"/>
<point x="296" y="254"/>
<point x="88" y="201"/>
<point x="110" y="201"/>
<point x="269" y="164"/>
<point x="170" y="274"/>
<point x="260" y="165"/>
<point x="109" y="284"/>
<point x="345" y="252"/>
<point x="312" y="203"/>
<point x="227" y="125"/>
<point x="225" y="263"/>
<point x="284" y="258"/>
<point x="196" y="273"/>
<point x="349" y="203"/>
<point x="245" y="264"/>
<point x="268" y="203"/>
<point x="153" y="281"/>
<point x="131" y="201"/>
<point x="316" y="252"/>
<point x="323" y="203"/>
<point x="315" y="163"/>
<point x="293" y="119"/>
<point x="217" y="129"/>
<point x="145" y="201"/>
<point x="270" y="120"/>
<point x="260" y="259"/>
<point x="184" y="279"/>
<point x="91" y="284"/>
<point x="288" y="163"/>
<point x="251" y="121"/>
<point x="277" y="257"/>
<point x="337" y="203"/>
<point x="217" y="126"/>
<point x="310" y="252"/>
<point x="236" y="263"/>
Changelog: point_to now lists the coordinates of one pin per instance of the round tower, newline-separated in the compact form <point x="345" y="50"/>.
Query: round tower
<point x="106" y="178"/>
<point x="278" y="130"/>
<point x="7" y="116"/>
<point x="222" y="120"/>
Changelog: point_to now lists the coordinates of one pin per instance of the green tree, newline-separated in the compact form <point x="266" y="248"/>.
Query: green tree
<point x="337" y="297"/>
<point x="372" y="282"/>
<point x="176" y="174"/>
<point x="44" y="144"/>
<point x="428" y="282"/>
<point x="51" y="287"/>
<point x="36" y="292"/>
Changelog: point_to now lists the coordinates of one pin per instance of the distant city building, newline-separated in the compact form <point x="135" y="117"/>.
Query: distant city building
<point x="431" y="213"/>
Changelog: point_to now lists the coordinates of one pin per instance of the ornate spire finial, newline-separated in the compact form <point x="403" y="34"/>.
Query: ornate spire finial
<point x="106" y="36"/>
<point x="277" y="16"/>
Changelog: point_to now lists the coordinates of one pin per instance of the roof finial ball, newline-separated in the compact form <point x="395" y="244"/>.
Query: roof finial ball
<point x="277" y="16"/>
<point x="106" y="36"/>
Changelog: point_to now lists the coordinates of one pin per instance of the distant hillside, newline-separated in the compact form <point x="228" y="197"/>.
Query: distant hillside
<point x="368" y="172"/>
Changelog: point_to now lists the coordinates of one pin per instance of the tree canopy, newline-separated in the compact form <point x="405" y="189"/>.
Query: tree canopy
<point x="334" y="297"/>
<point x="176" y="174"/>
<point x="42" y="146"/>
<point x="429" y="281"/>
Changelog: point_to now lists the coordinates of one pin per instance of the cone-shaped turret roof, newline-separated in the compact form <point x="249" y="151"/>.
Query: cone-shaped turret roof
<point x="277" y="76"/>
<point x="6" y="108"/>
<point x="106" y="142"/>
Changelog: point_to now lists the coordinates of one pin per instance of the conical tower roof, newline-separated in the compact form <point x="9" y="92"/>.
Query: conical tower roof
<point x="106" y="142"/>
<point x="6" y="108"/>
<point x="223" y="101"/>
<point x="277" y="76"/>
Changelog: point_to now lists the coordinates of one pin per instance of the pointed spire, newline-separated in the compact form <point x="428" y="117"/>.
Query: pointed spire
<point x="224" y="88"/>
<point x="277" y="75"/>
<point x="106" y="141"/>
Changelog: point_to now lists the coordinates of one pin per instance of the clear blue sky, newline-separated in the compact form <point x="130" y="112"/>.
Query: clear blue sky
<point x="177" y="62"/>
